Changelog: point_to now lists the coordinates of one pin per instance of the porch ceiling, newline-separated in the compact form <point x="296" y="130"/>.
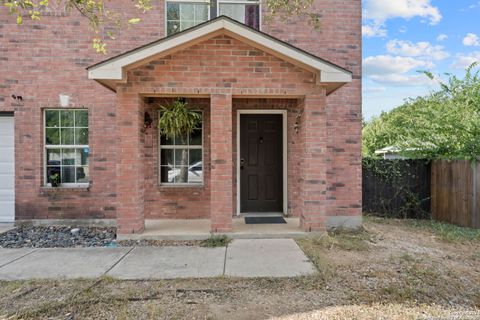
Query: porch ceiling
<point x="113" y="70"/>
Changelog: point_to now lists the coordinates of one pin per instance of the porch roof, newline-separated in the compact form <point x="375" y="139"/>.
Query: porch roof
<point x="113" y="70"/>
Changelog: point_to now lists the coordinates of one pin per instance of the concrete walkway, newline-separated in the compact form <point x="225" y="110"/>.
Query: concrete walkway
<point x="242" y="258"/>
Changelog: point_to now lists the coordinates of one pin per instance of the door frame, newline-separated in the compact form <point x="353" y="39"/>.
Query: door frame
<point x="11" y="114"/>
<point x="284" y="114"/>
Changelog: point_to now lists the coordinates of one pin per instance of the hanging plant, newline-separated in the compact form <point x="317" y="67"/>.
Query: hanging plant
<point x="178" y="121"/>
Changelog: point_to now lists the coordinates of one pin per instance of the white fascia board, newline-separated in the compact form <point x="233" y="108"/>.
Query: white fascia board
<point x="335" y="77"/>
<point x="113" y="69"/>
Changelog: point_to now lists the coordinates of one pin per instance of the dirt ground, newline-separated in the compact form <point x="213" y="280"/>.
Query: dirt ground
<point x="391" y="270"/>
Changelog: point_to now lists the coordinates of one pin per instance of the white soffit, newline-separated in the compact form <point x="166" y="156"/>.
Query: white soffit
<point x="113" y="69"/>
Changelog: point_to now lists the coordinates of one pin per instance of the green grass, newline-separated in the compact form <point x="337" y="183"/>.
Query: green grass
<point x="444" y="231"/>
<point x="216" y="241"/>
<point x="447" y="231"/>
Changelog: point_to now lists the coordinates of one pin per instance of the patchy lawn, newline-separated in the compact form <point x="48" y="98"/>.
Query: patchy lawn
<point x="392" y="270"/>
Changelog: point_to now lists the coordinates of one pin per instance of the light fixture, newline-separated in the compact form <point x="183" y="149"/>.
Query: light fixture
<point x="64" y="100"/>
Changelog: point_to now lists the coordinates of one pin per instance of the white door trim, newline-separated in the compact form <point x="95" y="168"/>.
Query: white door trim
<point x="7" y="214"/>
<point x="285" y="152"/>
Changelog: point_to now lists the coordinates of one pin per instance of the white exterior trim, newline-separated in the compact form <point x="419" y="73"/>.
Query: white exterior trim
<point x="7" y="168"/>
<point x="46" y="147"/>
<point x="114" y="68"/>
<point x="179" y="147"/>
<point x="183" y="2"/>
<point x="260" y="16"/>
<point x="284" y="152"/>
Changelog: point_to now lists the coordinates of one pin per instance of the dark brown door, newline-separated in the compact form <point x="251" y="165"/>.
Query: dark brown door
<point x="261" y="165"/>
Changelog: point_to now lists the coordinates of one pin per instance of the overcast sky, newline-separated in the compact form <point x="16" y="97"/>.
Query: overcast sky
<point x="401" y="37"/>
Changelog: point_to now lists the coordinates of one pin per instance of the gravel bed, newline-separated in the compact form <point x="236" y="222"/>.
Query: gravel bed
<point x="67" y="237"/>
<point x="57" y="237"/>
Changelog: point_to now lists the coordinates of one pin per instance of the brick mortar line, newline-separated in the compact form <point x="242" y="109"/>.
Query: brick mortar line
<point x="118" y="261"/>
<point x="16" y="259"/>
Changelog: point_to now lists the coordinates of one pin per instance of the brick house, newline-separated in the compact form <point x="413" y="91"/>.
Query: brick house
<point x="280" y="105"/>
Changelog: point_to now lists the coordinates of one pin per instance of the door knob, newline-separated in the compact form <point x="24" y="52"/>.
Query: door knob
<point x="242" y="162"/>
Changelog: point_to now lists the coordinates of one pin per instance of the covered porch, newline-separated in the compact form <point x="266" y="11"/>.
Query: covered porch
<point x="200" y="229"/>
<point x="230" y="72"/>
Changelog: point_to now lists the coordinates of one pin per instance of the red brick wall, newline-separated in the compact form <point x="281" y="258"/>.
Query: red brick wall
<point x="173" y="202"/>
<point x="242" y="69"/>
<point x="339" y="41"/>
<point x="39" y="60"/>
<point x="220" y="65"/>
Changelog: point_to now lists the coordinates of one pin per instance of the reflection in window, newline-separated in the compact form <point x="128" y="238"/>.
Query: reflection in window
<point x="181" y="159"/>
<point x="247" y="12"/>
<point x="182" y="14"/>
<point x="66" y="146"/>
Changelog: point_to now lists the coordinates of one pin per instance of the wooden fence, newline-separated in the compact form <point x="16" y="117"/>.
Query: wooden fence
<point x="455" y="192"/>
<point x="397" y="188"/>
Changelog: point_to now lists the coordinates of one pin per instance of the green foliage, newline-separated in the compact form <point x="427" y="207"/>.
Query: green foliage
<point x="448" y="232"/>
<point x="102" y="16"/>
<point x="442" y="125"/>
<point x="287" y="8"/>
<point x="397" y="193"/>
<point x="178" y="120"/>
<point x="107" y="21"/>
<point x="444" y="231"/>
<point x="216" y="241"/>
<point x="54" y="179"/>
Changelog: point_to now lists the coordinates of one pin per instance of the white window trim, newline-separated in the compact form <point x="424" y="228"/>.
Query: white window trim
<point x="209" y="3"/>
<point x="176" y="147"/>
<point x="284" y="114"/>
<point x="185" y="2"/>
<point x="244" y="2"/>
<point x="46" y="147"/>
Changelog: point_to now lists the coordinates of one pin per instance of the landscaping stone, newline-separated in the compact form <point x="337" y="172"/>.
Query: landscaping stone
<point x="57" y="237"/>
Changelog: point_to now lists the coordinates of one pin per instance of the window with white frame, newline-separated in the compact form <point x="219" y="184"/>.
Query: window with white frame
<point x="247" y="11"/>
<point x="66" y="146"/>
<point x="184" y="14"/>
<point x="181" y="159"/>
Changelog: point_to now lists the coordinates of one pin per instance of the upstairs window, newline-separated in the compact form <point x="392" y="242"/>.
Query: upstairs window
<point x="247" y="12"/>
<point x="184" y="14"/>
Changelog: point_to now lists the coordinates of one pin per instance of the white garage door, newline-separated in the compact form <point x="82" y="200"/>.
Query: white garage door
<point x="7" y="170"/>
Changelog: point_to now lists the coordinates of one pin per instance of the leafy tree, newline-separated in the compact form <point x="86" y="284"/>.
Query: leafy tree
<point x="444" y="124"/>
<point x="102" y="15"/>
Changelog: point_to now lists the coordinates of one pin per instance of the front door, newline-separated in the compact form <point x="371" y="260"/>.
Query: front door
<point x="261" y="163"/>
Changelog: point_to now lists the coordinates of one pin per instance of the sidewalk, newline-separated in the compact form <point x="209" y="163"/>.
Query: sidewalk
<point x="242" y="258"/>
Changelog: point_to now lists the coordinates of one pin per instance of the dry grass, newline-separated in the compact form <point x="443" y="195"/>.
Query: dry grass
<point x="389" y="270"/>
<point x="444" y="231"/>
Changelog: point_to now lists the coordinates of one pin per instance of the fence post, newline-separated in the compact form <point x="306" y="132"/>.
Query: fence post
<point x="475" y="194"/>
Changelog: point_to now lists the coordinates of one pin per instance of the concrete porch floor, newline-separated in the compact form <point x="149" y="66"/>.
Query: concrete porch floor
<point x="199" y="229"/>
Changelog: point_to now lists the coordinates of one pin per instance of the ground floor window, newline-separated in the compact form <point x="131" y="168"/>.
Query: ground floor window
<point x="181" y="159"/>
<point x="66" y="146"/>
